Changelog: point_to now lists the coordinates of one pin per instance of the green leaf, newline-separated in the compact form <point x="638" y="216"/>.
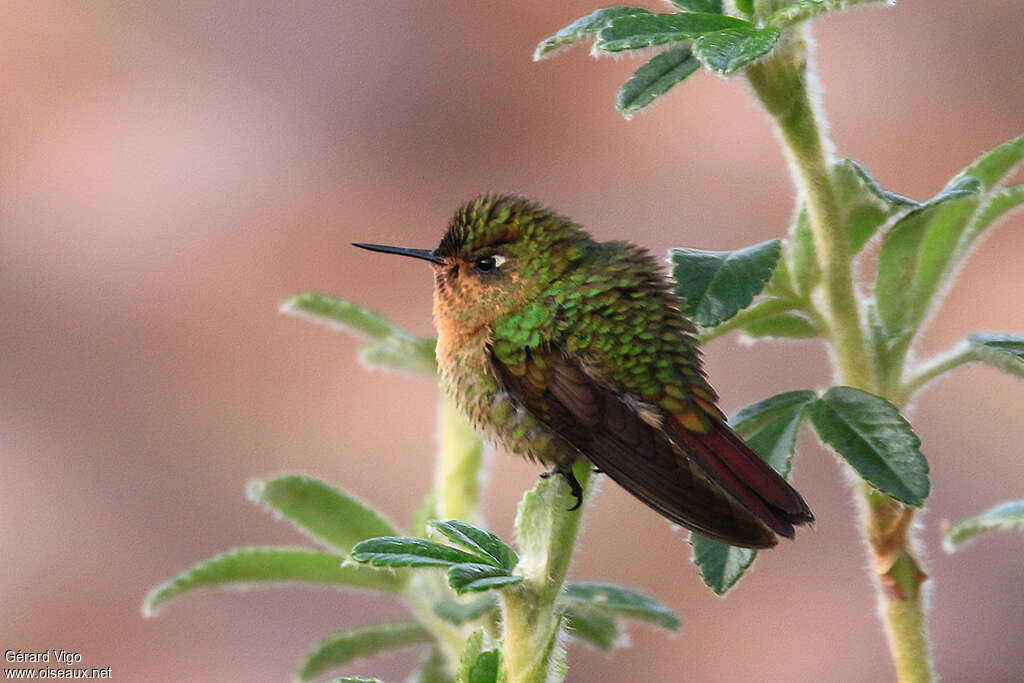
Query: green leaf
<point x="330" y="517"/>
<point x="720" y="565"/>
<point x="431" y="669"/>
<point x="870" y="434"/>
<point x="992" y="166"/>
<point x="725" y="52"/>
<point x="583" y="29"/>
<point x="592" y="626"/>
<point x="340" y="648"/>
<point x="259" y="567"/>
<point x="459" y="612"/>
<point x="997" y="204"/>
<point x="655" y="78"/>
<point x="476" y="663"/>
<point x="708" y="6"/>
<point x="790" y="324"/>
<point x="647" y="30"/>
<point x="808" y="9"/>
<point x="801" y="257"/>
<point x="717" y="284"/>
<point x="746" y="7"/>
<point x="617" y="600"/>
<point x="402" y="551"/>
<point x="394" y="349"/>
<point x="467" y="577"/>
<point x="1005" y="517"/>
<point x="485" y="668"/>
<point x="917" y="255"/>
<point x="864" y="205"/>
<point x="769" y="427"/>
<point x="479" y="541"/>
<point x="1002" y="351"/>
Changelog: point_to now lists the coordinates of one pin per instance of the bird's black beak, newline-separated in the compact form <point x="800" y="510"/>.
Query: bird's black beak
<point x="425" y="254"/>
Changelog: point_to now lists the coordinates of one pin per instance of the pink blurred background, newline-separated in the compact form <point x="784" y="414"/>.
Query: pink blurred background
<point x="171" y="173"/>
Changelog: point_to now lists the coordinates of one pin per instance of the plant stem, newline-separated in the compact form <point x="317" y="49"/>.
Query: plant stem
<point x="531" y="624"/>
<point x="781" y="83"/>
<point x="458" y="466"/>
<point x="940" y="365"/>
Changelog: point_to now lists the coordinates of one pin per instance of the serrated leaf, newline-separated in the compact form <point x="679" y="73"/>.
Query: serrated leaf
<point x="648" y="30"/>
<point x="1004" y="517"/>
<point x="709" y="6"/>
<point x="720" y="565"/>
<point x="343" y="647"/>
<point x="459" y="612"/>
<point x="717" y="284"/>
<point x="869" y="433"/>
<point x="994" y="165"/>
<point x="431" y="669"/>
<point x="786" y="325"/>
<point x="583" y="29"/>
<point x="769" y="427"/>
<point x="485" y="668"/>
<point x="259" y="567"/>
<point x="621" y="601"/>
<point x="655" y="78"/>
<point x="592" y="626"/>
<point x="467" y="578"/>
<point x="394" y="349"/>
<point x="917" y="255"/>
<point x="1002" y="351"/>
<point x="479" y="541"/>
<point x="403" y="551"/>
<point x="725" y="52"/>
<point x="325" y="514"/>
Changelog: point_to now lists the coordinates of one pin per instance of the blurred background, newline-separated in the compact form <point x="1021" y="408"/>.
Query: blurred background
<point x="171" y="172"/>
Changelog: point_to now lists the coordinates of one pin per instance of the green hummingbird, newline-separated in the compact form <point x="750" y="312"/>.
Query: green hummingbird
<point x="558" y="347"/>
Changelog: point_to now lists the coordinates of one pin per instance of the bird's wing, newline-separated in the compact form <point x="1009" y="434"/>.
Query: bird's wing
<point x="710" y="482"/>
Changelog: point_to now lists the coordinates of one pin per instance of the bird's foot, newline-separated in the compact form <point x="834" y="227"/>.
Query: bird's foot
<point x="570" y="479"/>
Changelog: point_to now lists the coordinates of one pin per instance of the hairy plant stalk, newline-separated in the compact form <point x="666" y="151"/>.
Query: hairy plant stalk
<point x="458" y="466"/>
<point x="531" y="623"/>
<point x="781" y="83"/>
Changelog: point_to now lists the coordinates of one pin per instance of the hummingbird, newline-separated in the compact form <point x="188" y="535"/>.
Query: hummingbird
<point x="559" y="347"/>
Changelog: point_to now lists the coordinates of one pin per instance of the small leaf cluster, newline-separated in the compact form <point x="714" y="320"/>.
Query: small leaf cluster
<point x="698" y="33"/>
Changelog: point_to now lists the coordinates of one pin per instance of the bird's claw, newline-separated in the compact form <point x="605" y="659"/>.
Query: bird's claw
<point x="570" y="479"/>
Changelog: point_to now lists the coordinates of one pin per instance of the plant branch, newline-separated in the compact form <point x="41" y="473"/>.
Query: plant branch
<point x="546" y="530"/>
<point x="458" y="466"/>
<point x="781" y="83"/>
<point x="940" y="365"/>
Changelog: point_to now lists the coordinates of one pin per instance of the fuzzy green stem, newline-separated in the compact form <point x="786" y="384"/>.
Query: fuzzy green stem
<point x="940" y="365"/>
<point x="781" y="83"/>
<point x="458" y="466"/>
<point x="531" y="624"/>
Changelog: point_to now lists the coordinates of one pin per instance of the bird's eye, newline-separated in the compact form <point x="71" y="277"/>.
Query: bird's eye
<point x="486" y="264"/>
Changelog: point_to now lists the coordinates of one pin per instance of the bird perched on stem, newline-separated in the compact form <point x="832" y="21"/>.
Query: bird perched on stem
<point x="559" y="347"/>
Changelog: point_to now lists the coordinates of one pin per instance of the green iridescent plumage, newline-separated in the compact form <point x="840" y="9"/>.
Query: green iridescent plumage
<point x="559" y="347"/>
